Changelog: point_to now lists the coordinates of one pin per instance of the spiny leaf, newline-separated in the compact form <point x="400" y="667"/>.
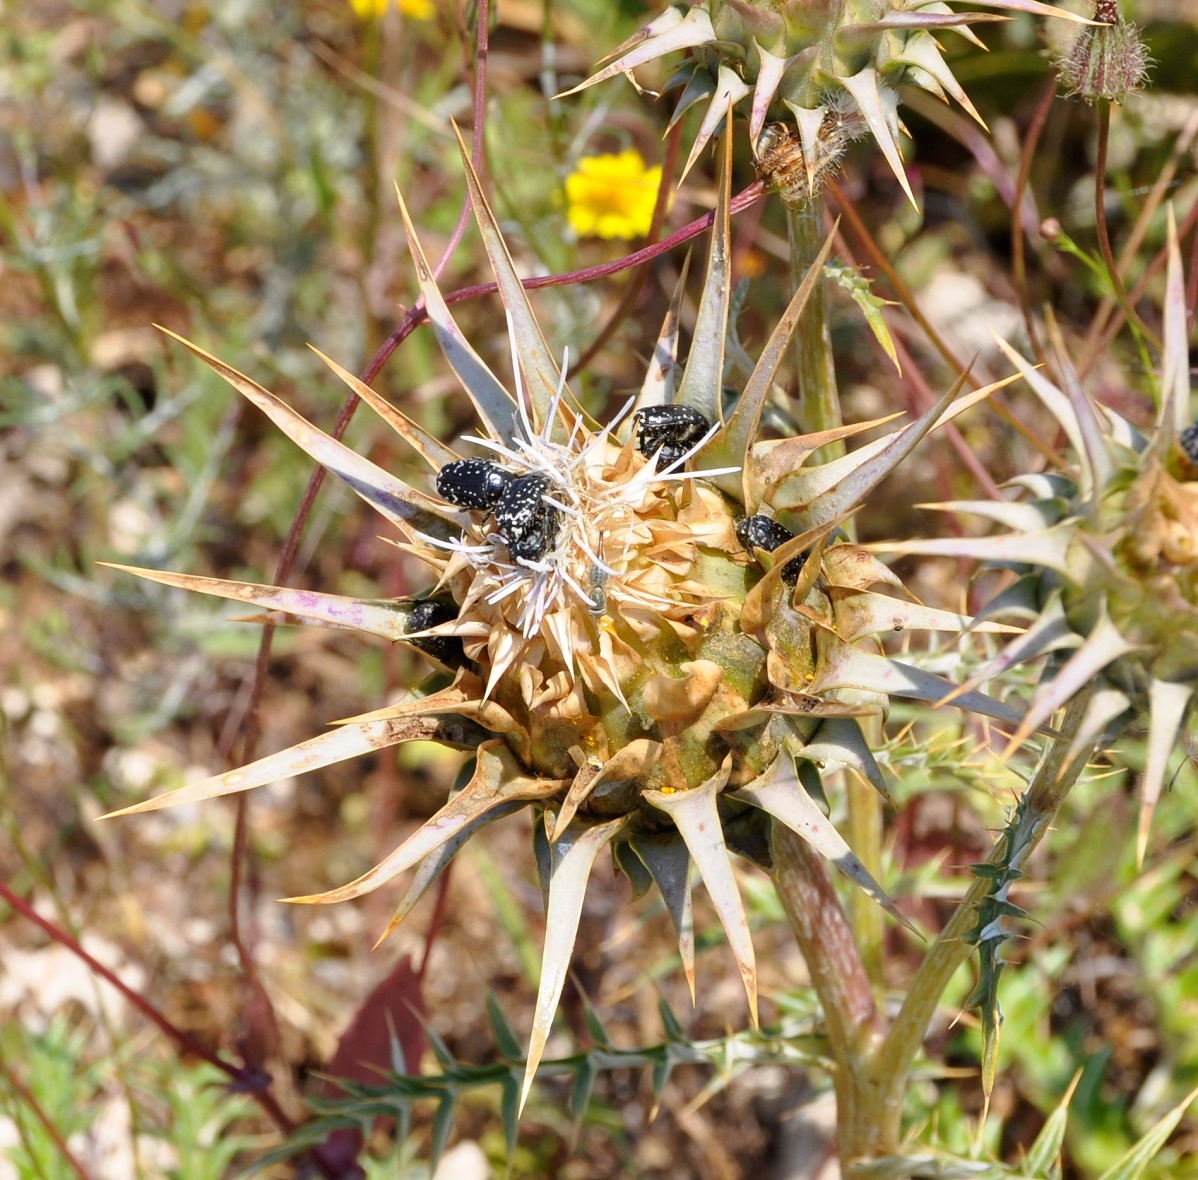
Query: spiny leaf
<point x="442" y="1126"/>
<point x="435" y="452"/>
<point x="429" y="870"/>
<point x="542" y="376"/>
<point x="349" y="741"/>
<point x="703" y="379"/>
<point x="668" y="861"/>
<point x="1101" y="647"/>
<point x="779" y="793"/>
<point x="730" y="88"/>
<point x="402" y="505"/>
<point x="495" y="406"/>
<point x="1043" y="1157"/>
<point x="849" y="667"/>
<point x="851" y="279"/>
<point x="662" y="36"/>
<point x="1167" y="704"/>
<point x="374" y="618"/>
<point x="697" y="819"/>
<point x="498" y="779"/>
<point x="505" y="1036"/>
<point x="879" y="115"/>
<point x="730" y="446"/>
<point x="573" y="856"/>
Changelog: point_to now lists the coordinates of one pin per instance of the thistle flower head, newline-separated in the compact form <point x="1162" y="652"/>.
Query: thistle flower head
<point x="818" y="68"/>
<point x="1109" y="557"/>
<point x="657" y="624"/>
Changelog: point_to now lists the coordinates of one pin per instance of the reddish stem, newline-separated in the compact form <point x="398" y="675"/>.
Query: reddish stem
<point x="246" y="1081"/>
<point x="1031" y="140"/>
<point x="30" y="1100"/>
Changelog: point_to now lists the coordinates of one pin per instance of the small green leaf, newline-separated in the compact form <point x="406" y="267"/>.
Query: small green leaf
<point x="442" y="1125"/>
<point x="858" y="286"/>
<point x="580" y="1101"/>
<point x="505" y="1036"/>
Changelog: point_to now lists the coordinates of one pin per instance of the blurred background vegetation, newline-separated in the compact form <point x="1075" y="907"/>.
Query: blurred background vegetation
<point x="226" y="169"/>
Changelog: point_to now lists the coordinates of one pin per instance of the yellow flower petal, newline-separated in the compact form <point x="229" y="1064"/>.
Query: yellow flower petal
<point x="377" y="9"/>
<point x="612" y="196"/>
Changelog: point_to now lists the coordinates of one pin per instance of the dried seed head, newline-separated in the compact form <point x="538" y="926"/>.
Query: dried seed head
<point x="1107" y="61"/>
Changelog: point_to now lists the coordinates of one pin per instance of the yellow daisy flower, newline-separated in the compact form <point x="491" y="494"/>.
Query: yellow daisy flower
<point x="612" y="196"/>
<point x="416" y="9"/>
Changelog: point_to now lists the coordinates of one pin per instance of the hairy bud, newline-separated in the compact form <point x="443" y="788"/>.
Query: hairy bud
<point x="1109" y="60"/>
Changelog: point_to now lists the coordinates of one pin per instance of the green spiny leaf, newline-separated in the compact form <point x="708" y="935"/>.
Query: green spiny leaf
<point x="505" y="1036"/>
<point x="858" y="286"/>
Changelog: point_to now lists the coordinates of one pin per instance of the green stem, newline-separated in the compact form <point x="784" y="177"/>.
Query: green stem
<point x="819" y="405"/>
<point x="890" y="1064"/>
<point x="865" y="834"/>
<point x="873" y="1062"/>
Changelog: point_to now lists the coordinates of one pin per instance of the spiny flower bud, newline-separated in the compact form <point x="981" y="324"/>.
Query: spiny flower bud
<point x="1108" y="60"/>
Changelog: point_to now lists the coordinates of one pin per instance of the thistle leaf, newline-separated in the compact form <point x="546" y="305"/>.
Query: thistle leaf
<point x="769" y="76"/>
<point x="879" y="115"/>
<point x="497" y="780"/>
<point x="658" y="386"/>
<point x="442" y="1126"/>
<point x="542" y="377"/>
<point x="839" y="740"/>
<point x="847" y="667"/>
<point x="1050" y="632"/>
<point x="429" y="870"/>
<point x="696" y="817"/>
<point x="1022" y="516"/>
<point x="1167" y="704"/>
<point x="349" y="741"/>
<point x="1101" y="647"/>
<point x="1146" y="1149"/>
<point x="866" y="468"/>
<point x="630" y="762"/>
<point x="1175" y="379"/>
<point x="1043" y="1157"/>
<point x="1048" y="548"/>
<point x="1037" y="9"/>
<point x="434" y="452"/>
<point x="505" y="1036"/>
<point x="860" y="613"/>
<point x="667" y="859"/>
<point x="779" y="793"/>
<point x="662" y="36"/>
<point x="374" y="618"/>
<point x="400" y="504"/>
<point x="573" y="856"/>
<point x="703" y="378"/>
<point x="730" y="88"/>
<point x="731" y="444"/>
<point x="494" y="404"/>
